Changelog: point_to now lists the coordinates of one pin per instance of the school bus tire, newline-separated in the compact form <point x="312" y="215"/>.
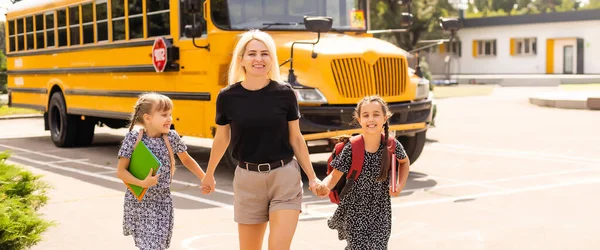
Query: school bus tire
<point x="63" y="130"/>
<point x="85" y="132"/>
<point x="413" y="145"/>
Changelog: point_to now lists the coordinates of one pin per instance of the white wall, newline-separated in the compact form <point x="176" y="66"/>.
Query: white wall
<point x="504" y="63"/>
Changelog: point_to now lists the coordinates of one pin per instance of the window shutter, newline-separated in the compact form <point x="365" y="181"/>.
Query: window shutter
<point x="512" y="46"/>
<point x="474" y="48"/>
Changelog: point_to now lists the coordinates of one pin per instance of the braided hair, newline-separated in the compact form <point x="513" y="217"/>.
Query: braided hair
<point x="146" y="104"/>
<point x="385" y="157"/>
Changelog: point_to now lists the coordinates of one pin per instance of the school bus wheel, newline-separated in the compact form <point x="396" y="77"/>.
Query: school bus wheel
<point x="62" y="126"/>
<point x="85" y="131"/>
<point x="413" y="145"/>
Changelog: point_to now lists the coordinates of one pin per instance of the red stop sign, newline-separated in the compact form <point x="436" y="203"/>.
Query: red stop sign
<point x="159" y="54"/>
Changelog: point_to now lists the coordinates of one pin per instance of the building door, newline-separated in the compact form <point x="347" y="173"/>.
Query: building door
<point x="568" y="59"/>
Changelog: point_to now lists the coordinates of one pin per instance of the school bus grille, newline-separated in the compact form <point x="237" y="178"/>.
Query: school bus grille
<point x="355" y="78"/>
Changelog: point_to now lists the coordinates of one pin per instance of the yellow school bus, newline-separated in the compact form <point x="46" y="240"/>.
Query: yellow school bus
<point x="84" y="63"/>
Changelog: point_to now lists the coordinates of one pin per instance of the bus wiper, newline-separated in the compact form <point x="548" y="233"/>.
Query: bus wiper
<point x="282" y="24"/>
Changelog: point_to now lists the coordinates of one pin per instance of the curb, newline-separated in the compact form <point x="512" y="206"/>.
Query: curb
<point x="14" y="117"/>
<point x="591" y="103"/>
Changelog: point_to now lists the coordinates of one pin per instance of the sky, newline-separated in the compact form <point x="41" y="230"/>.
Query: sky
<point x="4" y="4"/>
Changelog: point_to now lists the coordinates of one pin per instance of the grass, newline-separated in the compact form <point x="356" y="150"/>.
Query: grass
<point x="6" y="111"/>
<point x="440" y="92"/>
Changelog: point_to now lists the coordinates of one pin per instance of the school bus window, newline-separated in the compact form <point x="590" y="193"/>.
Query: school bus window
<point x="29" y="29"/>
<point x="187" y="19"/>
<point x="220" y="14"/>
<point x="87" y="19"/>
<point x="61" y="18"/>
<point x="20" y="35"/>
<point x="159" y="23"/>
<point x="74" y="24"/>
<point x="39" y="31"/>
<point x="49" y="29"/>
<point x="11" y="35"/>
<point x="118" y="20"/>
<point x="136" y="19"/>
<point x="102" y="21"/>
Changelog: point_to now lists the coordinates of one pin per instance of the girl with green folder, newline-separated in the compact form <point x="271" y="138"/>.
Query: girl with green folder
<point x="146" y="166"/>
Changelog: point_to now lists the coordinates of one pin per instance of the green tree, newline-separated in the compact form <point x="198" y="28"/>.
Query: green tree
<point x="505" y="5"/>
<point x="386" y="14"/>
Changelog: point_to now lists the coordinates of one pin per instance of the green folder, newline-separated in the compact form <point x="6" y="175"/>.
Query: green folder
<point x="142" y="160"/>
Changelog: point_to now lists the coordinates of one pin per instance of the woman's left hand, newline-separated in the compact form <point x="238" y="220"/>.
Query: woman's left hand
<point x="313" y="184"/>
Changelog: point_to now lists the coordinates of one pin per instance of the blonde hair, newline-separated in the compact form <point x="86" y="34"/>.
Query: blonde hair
<point x="237" y="72"/>
<point x="148" y="103"/>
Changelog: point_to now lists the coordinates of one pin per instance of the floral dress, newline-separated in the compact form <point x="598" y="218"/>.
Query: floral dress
<point x="364" y="216"/>
<point x="150" y="221"/>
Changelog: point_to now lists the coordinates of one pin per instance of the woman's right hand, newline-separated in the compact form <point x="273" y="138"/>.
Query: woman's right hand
<point x="150" y="180"/>
<point x="208" y="183"/>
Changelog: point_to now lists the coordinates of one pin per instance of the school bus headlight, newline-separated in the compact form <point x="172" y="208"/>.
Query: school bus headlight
<point x="309" y="95"/>
<point x="422" y="88"/>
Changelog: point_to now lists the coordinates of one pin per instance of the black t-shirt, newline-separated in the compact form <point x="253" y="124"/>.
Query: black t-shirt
<point x="258" y="121"/>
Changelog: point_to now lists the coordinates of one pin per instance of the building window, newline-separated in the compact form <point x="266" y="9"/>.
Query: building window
<point x="524" y="46"/>
<point x="485" y="48"/>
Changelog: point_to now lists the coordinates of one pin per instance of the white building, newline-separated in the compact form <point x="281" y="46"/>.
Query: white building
<point x="545" y="49"/>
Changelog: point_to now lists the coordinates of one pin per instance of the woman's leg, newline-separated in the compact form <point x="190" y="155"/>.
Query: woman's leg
<point x="251" y="236"/>
<point x="282" y="226"/>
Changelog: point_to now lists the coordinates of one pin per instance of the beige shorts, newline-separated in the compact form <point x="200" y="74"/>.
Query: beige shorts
<point x="256" y="195"/>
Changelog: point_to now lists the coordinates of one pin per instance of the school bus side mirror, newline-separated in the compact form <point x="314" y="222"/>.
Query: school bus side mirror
<point x="450" y="24"/>
<point x="318" y="24"/>
<point x="406" y="19"/>
<point x="193" y="6"/>
<point x="193" y="31"/>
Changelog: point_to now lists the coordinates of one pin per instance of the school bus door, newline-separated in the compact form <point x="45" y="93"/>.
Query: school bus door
<point x="191" y="116"/>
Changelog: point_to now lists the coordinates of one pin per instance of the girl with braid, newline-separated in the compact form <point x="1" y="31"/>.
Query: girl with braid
<point x="364" y="215"/>
<point x="150" y="221"/>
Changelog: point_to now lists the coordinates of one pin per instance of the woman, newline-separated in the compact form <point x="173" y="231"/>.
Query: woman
<point x="262" y="115"/>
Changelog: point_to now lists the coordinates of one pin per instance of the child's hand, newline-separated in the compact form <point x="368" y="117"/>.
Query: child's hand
<point x="150" y="180"/>
<point x="208" y="184"/>
<point x="399" y="188"/>
<point x="322" y="190"/>
<point x="205" y="189"/>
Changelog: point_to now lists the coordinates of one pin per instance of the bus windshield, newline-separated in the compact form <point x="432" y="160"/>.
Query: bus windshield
<point x="287" y="14"/>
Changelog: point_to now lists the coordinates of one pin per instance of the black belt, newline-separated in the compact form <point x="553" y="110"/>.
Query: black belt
<point x="263" y="167"/>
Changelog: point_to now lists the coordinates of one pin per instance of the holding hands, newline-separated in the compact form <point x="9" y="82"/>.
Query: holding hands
<point x="208" y="184"/>
<point x="318" y="188"/>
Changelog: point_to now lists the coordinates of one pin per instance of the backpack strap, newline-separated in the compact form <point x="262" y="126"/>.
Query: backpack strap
<point x="171" y="155"/>
<point x="337" y="149"/>
<point x="139" y="138"/>
<point x="358" y="156"/>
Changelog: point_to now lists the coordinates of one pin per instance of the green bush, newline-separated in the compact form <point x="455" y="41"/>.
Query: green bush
<point x="21" y="195"/>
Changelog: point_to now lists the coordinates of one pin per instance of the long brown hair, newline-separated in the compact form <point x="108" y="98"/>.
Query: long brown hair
<point x="147" y="103"/>
<point x="385" y="157"/>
